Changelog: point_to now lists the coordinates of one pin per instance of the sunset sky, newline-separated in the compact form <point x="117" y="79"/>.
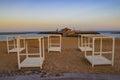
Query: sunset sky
<point x="38" y="15"/>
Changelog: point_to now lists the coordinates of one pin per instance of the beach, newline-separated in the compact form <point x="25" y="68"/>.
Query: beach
<point x="71" y="59"/>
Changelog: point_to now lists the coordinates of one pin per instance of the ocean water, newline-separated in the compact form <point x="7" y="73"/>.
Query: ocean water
<point x="3" y="36"/>
<point x="111" y="34"/>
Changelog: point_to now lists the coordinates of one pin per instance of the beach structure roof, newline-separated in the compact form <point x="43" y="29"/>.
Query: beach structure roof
<point x="65" y="29"/>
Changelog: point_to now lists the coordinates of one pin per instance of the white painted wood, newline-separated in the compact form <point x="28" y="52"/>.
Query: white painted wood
<point x="53" y="46"/>
<point x="113" y="50"/>
<point x="18" y="52"/>
<point x="93" y="52"/>
<point x="54" y="49"/>
<point x="84" y="43"/>
<point x="16" y="49"/>
<point x="12" y="43"/>
<point x="98" y="60"/>
<point x="32" y="59"/>
<point x="85" y="48"/>
<point x="32" y="62"/>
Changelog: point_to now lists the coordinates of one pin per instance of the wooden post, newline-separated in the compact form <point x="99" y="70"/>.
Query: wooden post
<point x="60" y="43"/>
<point x="81" y="41"/>
<point x="85" y="46"/>
<point x="101" y="46"/>
<point x="40" y="52"/>
<point x="113" y="49"/>
<point x="18" y="53"/>
<point x="93" y="51"/>
<point x="43" y="49"/>
<point x="48" y="43"/>
<point x="7" y="45"/>
<point x="26" y="50"/>
<point x="78" y="41"/>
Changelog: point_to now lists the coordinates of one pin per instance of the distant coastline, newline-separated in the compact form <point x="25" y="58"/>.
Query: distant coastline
<point x="55" y="32"/>
<point x="64" y="33"/>
<point x="8" y="33"/>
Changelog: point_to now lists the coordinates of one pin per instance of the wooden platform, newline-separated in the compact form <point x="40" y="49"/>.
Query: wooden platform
<point x="54" y="49"/>
<point x="16" y="49"/>
<point x="32" y="62"/>
<point x="85" y="48"/>
<point x="98" y="60"/>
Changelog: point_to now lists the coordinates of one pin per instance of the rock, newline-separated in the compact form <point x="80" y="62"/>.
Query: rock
<point x="43" y="74"/>
<point x="28" y="72"/>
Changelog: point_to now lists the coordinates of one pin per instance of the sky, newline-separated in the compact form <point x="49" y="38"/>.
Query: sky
<point x="41" y="15"/>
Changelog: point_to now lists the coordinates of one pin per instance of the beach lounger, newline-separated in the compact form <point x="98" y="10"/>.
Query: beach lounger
<point x="32" y="59"/>
<point x="97" y="57"/>
<point x="54" y="42"/>
<point x="12" y="43"/>
<point x="85" y="43"/>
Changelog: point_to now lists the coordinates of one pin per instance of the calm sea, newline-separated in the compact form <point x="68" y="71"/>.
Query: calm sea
<point x="3" y="35"/>
<point x="115" y="34"/>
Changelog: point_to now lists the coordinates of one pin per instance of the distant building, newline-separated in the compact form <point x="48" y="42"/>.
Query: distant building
<point x="67" y="32"/>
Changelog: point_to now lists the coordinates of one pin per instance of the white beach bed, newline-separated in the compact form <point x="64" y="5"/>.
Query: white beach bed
<point x="54" y="42"/>
<point x="97" y="57"/>
<point x="32" y="59"/>
<point x="12" y="43"/>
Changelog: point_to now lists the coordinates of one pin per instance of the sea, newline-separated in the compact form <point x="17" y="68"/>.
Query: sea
<point x="3" y="35"/>
<point x="115" y="34"/>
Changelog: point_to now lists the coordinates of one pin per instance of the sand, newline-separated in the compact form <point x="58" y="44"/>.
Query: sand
<point x="71" y="59"/>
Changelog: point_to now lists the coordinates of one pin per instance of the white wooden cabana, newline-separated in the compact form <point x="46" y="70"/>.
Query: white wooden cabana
<point x="34" y="59"/>
<point x="85" y="43"/>
<point x="98" y="56"/>
<point x="54" y="42"/>
<point x="12" y="44"/>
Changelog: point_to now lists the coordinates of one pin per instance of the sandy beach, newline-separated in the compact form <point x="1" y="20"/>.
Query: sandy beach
<point x="71" y="59"/>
